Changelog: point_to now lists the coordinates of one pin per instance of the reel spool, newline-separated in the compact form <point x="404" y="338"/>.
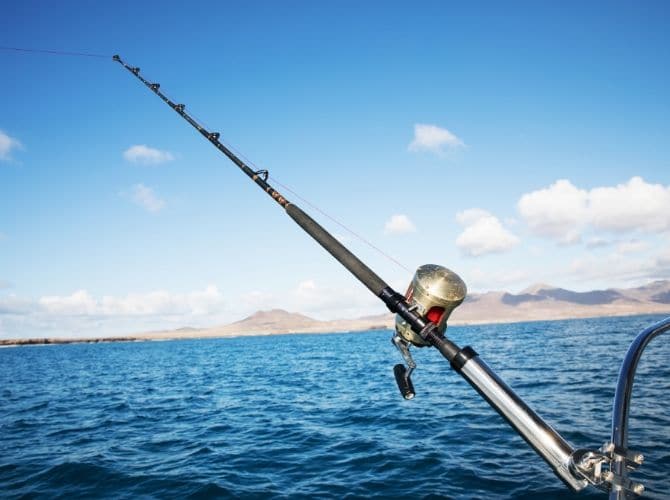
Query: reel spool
<point x="433" y="293"/>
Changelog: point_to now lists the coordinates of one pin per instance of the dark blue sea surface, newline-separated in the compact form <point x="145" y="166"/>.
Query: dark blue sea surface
<point x="318" y="416"/>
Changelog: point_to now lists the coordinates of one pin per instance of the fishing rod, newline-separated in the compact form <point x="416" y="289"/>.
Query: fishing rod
<point x="421" y="321"/>
<point x="396" y="303"/>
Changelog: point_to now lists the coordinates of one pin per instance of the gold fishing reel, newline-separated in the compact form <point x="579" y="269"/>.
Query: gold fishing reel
<point x="433" y="294"/>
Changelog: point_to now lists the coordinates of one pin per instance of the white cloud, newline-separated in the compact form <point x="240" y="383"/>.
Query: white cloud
<point x="471" y="216"/>
<point x="632" y="246"/>
<point x="11" y="304"/>
<point x="143" y="154"/>
<point x="161" y="302"/>
<point x="434" y="139"/>
<point x="79" y="303"/>
<point x="481" y="280"/>
<point x="399" y="224"/>
<point x="563" y="211"/>
<point x="483" y="233"/>
<point x="557" y="211"/>
<point x="621" y="267"/>
<point x="145" y="197"/>
<point x="597" y="242"/>
<point x="331" y="302"/>
<point x="7" y="145"/>
<point x="306" y="287"/>
<point x="81" y="314"/>
<point x="256" y="300"/>
<point x="320" y="302"/>
<point x="636" y="205"/>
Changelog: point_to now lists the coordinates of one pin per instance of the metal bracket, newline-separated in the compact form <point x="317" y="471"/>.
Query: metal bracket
<point x="632" y="458"/>
<point x="596" y="467"/>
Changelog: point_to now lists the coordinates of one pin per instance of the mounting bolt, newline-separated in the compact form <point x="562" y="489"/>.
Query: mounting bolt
<point x="637" y="488"/>
<point x="638" y="458"/>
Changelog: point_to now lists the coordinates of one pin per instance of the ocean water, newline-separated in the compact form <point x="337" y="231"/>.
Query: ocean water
<point x="318" y="416"/>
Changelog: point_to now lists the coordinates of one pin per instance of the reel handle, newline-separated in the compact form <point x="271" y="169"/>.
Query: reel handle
<point x="404" y="382"/>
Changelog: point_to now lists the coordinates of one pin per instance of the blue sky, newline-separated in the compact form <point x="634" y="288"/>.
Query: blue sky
<point x="514" y="143"/>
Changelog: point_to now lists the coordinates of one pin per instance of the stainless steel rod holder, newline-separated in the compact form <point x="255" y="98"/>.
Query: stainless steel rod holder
<point x="538" y="434"/>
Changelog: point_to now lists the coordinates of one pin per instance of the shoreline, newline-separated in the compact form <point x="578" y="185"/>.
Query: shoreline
<point x="207" y="333"/>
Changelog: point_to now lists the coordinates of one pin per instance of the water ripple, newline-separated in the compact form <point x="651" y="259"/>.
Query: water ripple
<point x="305" y="416"/>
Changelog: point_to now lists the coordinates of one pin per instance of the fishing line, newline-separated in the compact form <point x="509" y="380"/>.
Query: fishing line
<point x="318" y="209"/>
<point x="421" y="320"/>
<point x="251" y="163"/>
<point x="56" y="52"/>
<point x="353" y="233"/>
<point x="300" y="197"/>
<point x="348" y="230"/>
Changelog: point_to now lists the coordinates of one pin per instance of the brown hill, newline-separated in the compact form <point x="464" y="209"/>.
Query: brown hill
<point x="275" y="320"/>
<point x="539" y="302"/>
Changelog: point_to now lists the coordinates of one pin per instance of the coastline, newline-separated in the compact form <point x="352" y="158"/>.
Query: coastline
<point x="226" y="332"/>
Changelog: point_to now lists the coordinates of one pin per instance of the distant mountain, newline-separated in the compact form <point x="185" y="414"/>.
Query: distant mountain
<point x="543" y="301"/>
<point x="657" y="291"/>
<point x="275" y="320"/>
<point x="538" y="302"/>
<point x="584" y="298"/>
